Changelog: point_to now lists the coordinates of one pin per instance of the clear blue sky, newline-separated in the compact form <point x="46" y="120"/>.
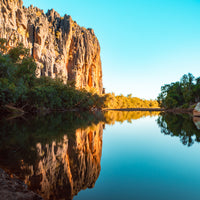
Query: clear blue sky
<point x="144" y="43"/>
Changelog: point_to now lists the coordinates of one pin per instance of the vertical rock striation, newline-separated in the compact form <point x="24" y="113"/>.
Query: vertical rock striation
<point x="60" y="47"/>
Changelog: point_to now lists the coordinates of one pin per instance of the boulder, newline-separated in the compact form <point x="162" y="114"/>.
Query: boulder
<point x="196" y="111"/>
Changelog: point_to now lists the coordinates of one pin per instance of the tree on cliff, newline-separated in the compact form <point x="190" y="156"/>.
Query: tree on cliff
<point x="17" y="74"/>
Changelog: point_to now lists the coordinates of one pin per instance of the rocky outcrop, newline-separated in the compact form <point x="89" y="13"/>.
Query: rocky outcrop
<point x="60" y="47"/>
<point x="196" y="111"/>
<point x="14" y="189"/>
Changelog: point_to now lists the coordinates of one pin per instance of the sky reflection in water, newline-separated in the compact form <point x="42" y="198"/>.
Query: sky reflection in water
<point x="137" y="155"/>
<point x="138" y="162"/>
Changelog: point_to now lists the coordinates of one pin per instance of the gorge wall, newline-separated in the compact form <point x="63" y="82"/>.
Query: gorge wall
<point x="60" y="47"/>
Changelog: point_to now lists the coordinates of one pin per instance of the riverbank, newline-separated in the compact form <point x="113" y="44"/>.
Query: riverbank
<point x="15" y="189"/>
<point x="180" y="110"/>
<point x="174" y="110"/>
<point x="134" y="109"/>
<point x="10" y="110"/>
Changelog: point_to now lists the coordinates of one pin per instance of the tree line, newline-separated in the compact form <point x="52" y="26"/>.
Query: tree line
<point x="20" y="88"/>
<point x="121" y="101"/>
<point x="181" y="94"/>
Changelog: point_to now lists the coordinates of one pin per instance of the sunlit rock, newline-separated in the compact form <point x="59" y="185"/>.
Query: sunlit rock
<point x="59" y="45"/>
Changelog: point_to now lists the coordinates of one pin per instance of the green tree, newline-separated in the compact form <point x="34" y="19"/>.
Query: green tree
<point x="180" y="94"/>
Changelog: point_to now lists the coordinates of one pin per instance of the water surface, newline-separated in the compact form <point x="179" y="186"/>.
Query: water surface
<point x="122" y="155"/>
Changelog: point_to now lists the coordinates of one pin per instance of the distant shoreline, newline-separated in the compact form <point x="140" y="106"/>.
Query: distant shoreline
<point x="134" y="109"/>
<point x="175" y="110"/>
<point x="15" y="112"/>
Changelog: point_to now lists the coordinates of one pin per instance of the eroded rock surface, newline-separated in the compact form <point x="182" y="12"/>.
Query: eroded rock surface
<point x="60" y="47"/>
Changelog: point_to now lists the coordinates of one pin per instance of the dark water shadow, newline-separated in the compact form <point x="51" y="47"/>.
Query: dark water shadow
<point x="59" y="154"/>
<point x="56" y="155"/>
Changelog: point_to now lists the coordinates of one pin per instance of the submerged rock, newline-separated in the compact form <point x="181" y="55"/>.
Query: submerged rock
<point x="196" y="111"/>
<point x="14" y="189"/>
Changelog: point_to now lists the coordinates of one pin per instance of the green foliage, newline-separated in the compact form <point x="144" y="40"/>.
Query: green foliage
<point x="17" y="74"/>
<point x="19" y="86"/>
<point x="3" y="45"/>
<point x="17" y="53"/>
<point x="180" y="94"/>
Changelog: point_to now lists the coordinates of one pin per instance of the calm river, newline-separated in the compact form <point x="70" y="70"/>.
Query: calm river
<point x="121" y="155"/>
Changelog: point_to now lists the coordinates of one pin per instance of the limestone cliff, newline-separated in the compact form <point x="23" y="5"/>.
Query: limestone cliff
<point x="60" y="47"/>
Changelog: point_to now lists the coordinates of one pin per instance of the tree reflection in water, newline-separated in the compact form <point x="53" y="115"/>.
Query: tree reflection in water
<point x="57" y="155"/>
<point x="120" y="116"/>
<point x="180" y="125"/>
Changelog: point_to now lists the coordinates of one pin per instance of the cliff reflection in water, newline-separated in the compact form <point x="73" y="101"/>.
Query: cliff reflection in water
<point x="56" y="155"/>
<point x="180" y="125"/>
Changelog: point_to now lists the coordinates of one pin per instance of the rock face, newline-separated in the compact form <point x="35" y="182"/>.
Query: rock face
<point x="60" y="47"/>
<point x="196" y="111"/>
<point x="14" y="189"/>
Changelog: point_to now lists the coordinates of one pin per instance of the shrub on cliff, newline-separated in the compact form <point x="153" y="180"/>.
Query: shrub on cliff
<point x="20" y="87"/>
<point x="17" y="74"/>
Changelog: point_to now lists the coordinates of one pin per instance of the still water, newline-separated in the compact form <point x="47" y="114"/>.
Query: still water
<point x="121" y="155"/>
